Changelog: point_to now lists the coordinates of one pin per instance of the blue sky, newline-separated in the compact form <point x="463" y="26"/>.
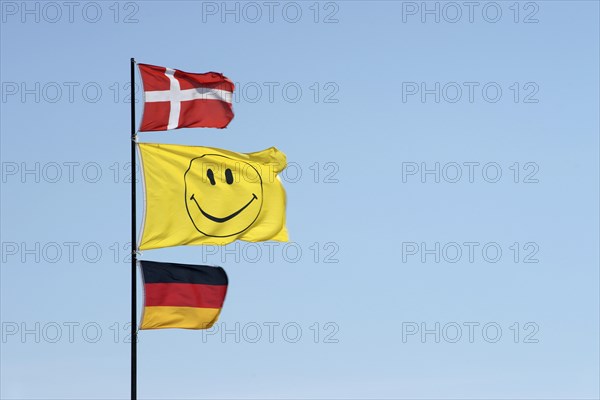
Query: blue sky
<point x="442" y="200"/>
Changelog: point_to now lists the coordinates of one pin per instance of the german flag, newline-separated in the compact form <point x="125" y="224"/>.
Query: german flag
<point x="182" y="295"/>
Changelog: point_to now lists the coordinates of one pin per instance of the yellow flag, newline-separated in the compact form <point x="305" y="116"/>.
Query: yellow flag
<point x="201" y="195"/>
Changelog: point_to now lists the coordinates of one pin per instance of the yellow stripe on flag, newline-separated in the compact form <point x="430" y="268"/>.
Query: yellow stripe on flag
<point x="179" y="317"/>
<point x="201" y="195"/>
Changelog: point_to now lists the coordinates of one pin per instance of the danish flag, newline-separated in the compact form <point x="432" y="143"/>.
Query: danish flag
<point x="175" y="99"/>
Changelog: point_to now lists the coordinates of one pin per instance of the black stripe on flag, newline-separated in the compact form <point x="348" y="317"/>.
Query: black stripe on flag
<point x="159" y="272"/>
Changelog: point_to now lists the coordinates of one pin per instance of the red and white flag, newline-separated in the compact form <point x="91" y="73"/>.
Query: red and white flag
<point x="176" y="99"/>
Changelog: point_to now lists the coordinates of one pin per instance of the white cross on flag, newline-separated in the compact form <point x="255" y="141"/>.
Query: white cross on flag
<point x="176" y="99"/>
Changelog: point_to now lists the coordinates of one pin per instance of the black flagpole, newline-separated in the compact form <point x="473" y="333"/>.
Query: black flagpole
<point x="133" y="244"/>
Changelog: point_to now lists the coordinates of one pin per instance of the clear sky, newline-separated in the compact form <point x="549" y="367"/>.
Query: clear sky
<point x="442" y="199"/>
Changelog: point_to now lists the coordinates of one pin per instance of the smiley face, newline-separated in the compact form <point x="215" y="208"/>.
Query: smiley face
<point x="223" y="196"/>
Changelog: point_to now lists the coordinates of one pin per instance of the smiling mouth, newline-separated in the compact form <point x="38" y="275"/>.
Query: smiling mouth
<point x="224" y="219"/>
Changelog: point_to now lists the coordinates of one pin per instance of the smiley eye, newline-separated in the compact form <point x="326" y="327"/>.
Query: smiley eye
<point x="228" y="176"/>
<point x="211" y="176"/>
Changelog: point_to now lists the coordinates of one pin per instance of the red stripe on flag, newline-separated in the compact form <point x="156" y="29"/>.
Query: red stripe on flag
<point x="211" y="80"/>
<point x="205" y="113"/>
<point x="154" y="77"/>
<point x="184" y="295"/>
<point x="156" y="116"/>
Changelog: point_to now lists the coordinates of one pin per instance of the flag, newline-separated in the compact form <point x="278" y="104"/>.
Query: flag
<point x="176" y="99"/>
<point x="201" y="195"/>
<point x="181" y="295"/>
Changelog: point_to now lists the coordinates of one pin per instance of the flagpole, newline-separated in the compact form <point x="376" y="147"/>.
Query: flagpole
<point x="133" y="244"/>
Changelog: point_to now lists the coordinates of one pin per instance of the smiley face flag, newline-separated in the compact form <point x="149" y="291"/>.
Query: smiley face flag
<point x="201" y="195"/>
